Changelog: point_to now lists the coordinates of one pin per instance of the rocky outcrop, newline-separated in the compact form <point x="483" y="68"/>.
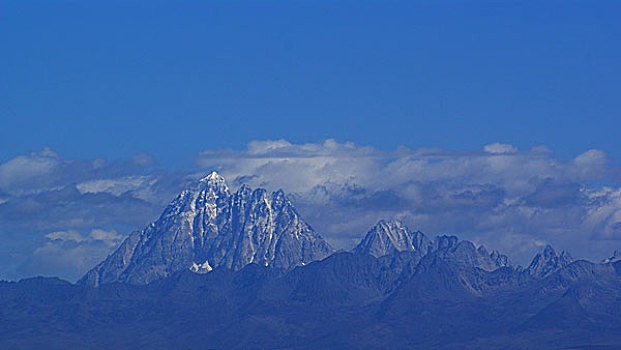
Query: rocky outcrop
<point x="207" y="227"/>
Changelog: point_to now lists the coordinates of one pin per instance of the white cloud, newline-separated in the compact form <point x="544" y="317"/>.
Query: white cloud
<point x="143" y="160"/>
<point x="499" y="196"/>
<point x="65" y="236"/>
<point x="72" y="253"/>
<point x="118" y="186"/>
<point x="110" y="238"/>
<point x="592" y="157"/>
<point x="496" y="148"/>
<point x="274" y="160"/>
<point x="508" y="198"/>
<point x="43" y="192"/>
<point x="20" y="173"/>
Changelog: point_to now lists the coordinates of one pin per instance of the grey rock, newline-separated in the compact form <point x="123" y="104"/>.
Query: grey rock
<point x="390" y="237"/>
<point x="465" y="253"/>
<point x="207" y="227"/>
<point x="548" y="262"/>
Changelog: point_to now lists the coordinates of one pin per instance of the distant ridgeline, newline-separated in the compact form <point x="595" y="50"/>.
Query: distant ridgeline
<point x="243" y="270"/>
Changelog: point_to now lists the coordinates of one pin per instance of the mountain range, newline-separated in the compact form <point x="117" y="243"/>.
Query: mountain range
<point x="242" y="270"/>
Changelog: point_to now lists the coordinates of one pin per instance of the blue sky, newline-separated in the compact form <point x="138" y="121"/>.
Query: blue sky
<point x="107" y="79"/>
<point x="497" y="121"/>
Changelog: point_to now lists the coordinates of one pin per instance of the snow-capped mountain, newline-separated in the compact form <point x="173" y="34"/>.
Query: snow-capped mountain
<point x="392" y="236"/>
<point x="207" y="226"/>
<point x="548" y="262"/>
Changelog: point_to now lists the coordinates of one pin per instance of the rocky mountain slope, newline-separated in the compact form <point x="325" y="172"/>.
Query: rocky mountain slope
<point x="345" y="301"/>
<point x="242" y="270"/>
<point x="548" y="262"/>
<point x="392" y="236"/>
<point x="206" y="227"/>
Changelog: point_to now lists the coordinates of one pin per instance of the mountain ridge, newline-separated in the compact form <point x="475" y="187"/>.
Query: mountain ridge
<point x="207" y="226"/>
<point x="347" y="300"/>
<point x="207" y="274"/>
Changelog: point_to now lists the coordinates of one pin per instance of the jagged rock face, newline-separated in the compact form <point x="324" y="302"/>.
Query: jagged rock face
<point x="390" y="237"/>
<point x="465" y="253"/>
<point x="205" y="227"/>
<point x="548" y="262"/>
<point x="499" y="259"/>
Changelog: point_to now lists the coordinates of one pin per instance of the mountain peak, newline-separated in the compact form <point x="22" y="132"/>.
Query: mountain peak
<point x="213" y="181"/>
<point x="390" y="221"/>
<point x="213" y="176"/>
<point x="445" y="242"/>
<point x="466" y="253"/>
<point x="549" y="251"/>
<point x="279" y="193"/>
<point x="206" y="227"/>
<point x="549" y="261"/>
<point x="391" y="236"/>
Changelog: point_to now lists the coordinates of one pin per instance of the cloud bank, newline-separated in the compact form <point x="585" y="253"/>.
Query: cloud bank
<point x="53" y="210"/>
<point x="42" y="193"/>
<point x="500" y="196"/>
<point x="72" y="253"/>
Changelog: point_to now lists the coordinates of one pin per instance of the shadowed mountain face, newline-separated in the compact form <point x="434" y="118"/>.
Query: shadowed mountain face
<point x="205" y="227"/>
<point x="221" y="270"/>
<point x="389" y="237"/>
<point x="346" y="301"/>
<point x="548" y="262"/>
